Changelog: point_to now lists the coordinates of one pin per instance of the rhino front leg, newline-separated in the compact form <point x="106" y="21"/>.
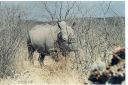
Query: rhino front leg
<point x="41" y="59"/>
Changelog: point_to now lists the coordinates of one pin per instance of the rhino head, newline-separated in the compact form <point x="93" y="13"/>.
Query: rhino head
<point x="67" y="36"/>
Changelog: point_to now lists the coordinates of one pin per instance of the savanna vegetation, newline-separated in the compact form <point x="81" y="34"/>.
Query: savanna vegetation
<point x="96" y="39"/>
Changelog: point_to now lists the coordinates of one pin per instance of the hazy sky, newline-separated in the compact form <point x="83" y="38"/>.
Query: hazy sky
<point x="36" y="10"/>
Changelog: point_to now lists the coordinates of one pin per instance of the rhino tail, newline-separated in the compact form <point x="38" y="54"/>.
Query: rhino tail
<point x="28" y="38"/>
<point x="28" y="41"/>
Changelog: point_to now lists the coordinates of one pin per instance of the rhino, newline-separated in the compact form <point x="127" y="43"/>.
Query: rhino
<point x="46" y="38"/>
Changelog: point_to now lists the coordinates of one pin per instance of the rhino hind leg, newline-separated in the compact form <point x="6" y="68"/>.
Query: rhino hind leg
<point x="41" y="59"/>
<point x="31" y="52"/>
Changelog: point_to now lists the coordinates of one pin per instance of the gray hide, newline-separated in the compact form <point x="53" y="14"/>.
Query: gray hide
<point x="42" y="38"/>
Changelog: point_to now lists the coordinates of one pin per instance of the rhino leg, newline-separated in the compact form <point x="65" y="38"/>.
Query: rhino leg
<point x="41" y="59"/>
<point x="31" y="52"/>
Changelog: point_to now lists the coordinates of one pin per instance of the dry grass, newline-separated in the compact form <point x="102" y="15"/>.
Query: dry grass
<point x="51" y="73"/>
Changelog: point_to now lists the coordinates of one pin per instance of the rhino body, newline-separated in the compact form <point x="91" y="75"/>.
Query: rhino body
<point x="44" y="38"/>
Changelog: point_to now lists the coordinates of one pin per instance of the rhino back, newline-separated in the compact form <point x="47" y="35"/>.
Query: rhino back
<point x="43" y="36"/>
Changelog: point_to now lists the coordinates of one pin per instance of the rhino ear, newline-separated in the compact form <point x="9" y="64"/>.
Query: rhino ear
<point x="62" y="24"/>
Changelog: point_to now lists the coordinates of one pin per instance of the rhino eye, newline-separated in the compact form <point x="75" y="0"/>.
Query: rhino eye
<point x="64" y="39"/>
